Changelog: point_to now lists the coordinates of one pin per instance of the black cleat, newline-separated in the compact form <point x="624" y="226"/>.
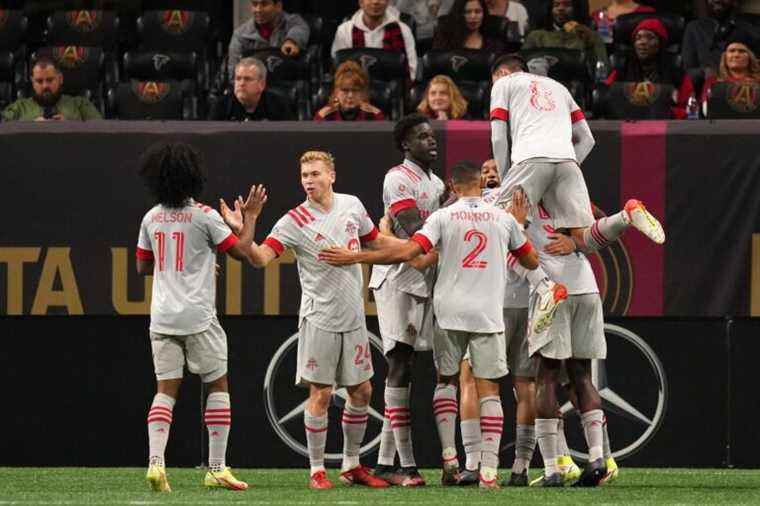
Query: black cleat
<point x="467" y="478"/>
<point x="555" y="480"/>
<point x="517" y="480"/>
<point x="593" y="474"/>
<point x="412" y="477"/>
<point x="449" y="476"/>
<point x="391" y="474"/>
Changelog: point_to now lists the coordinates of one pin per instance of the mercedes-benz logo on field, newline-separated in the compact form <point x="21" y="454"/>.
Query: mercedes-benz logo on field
<point x="292" y="434"/>
<point x="651" y="382"/>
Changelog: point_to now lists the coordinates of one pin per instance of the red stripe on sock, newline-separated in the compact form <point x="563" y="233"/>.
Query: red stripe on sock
<point x="396" y="410"/>
<point x="451" y="459"/>
<point x="355" y="422"/>
<point x="493" y="418"/>
<point x="218" y="423"/>
<point x="397" y="425"/>
<point x="159" y="409"/>
<point x="315" y="430"/>
<point x="439" y="412"/>
<point x="490" y="431"/>
<point x="439" y="402"/>
<point x="217" y="420"/>
<point x="226" y="410"/>
<point x="158" y="418"/>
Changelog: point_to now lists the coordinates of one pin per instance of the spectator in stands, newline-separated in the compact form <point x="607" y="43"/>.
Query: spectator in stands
<point x="704" y="40"/>
<point x="48" y="102"/>
<point x="350" y="97"/>
<point x="619" y="8"/>
<point x="269" y="27"/>
<point x="649" y="61"/>
<point x="425" y="14"/>
<point x="512" y="10"/>
<point x="251" y="101"/>
<point x="566" y="28"/>
<point x="375" y="26"/>
<point x="738" y="64"/>
<point x="442" y="100"/>
<point x="463" y="29"/>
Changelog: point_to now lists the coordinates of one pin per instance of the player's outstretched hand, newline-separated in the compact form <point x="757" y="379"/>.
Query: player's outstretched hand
<point x="254" y="204"/>
<point x="234" y="219"/>
<point x="559" y="244"/>
<point x="519" y="207"/>
<point x="337" y="256"/>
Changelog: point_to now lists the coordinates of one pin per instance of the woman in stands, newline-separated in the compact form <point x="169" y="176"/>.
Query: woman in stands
<point x="649" y="61"/>
<point x="567" y="27"/>
<point x="349" y="100"/>
<point x="738" y="64"/>
<point x="463" y="28"/>
<point x="443" y="100"/>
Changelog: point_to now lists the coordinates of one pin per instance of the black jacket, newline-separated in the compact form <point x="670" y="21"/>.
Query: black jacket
<point x="271" y="107"/>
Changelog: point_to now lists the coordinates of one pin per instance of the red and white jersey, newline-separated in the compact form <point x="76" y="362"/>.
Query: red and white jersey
<point x="183" y="243"/>
<point x="331" y="297"/>
<point x="573" y="270"/>
<point x="517" y="289"/>
<point x="540" y="112"/>
<point x="473" y="239"/>
<point x="407" y="186"/>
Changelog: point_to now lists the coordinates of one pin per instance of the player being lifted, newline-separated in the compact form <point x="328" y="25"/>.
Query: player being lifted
<point x="178" y="243"/>
<point x="550" y="139"/>
<point x="411" y="192"/>
<point x="472" y="239"/>
<point x="333" y="346"/>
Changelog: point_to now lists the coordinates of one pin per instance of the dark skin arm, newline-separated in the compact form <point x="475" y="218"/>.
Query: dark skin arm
<point x="410" y="220"/>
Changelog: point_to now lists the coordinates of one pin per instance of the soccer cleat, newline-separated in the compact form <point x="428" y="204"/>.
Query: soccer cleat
<point x="319" y="481"/>
<point x="555" y="480"/>
<point x="412" y="477"/>
<point x="223" y="479"/>
<point x="156" y="478"/>
<point x="593" y="474"/>
<point x="546" y="305"/>
<point x="641" y="219"/>
<point x="391" y="474"/>
<point x="450" y="475"/>
<point x="468" y="478"/>
<point x="360" y="475"/>
<point x="568" y="468"/>
<point x="489" y="480"/>
<point x="612" y="472"/>
<point x="517" y="479"/>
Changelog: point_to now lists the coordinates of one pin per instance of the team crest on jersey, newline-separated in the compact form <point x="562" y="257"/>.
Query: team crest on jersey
<point x="742" y="97"/>
<point x="641" y="94"/>
<point x="351" y="228"/>
<point x="541" y="99"/>
<point x="70" y="56"/>
<point x="176" y="22"/>
<point x="424" y="196"/>
<point x="353" y="244"/>
<point x="402" y="188"/>
<point x="312" y="364"/>
<point x="83" y="21"/>
<point x="151" y="92"/>
<point x="3" y="18"/>
<point x="319" y="237"/>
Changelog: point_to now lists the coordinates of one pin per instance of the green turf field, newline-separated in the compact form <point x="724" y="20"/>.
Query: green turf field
<point x="127" y="486"/>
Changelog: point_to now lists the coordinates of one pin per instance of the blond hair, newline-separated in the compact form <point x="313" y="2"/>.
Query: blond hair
<point x="318" y="156"/>
<point x="458" y="102"/>
<point x="753" y="72"/>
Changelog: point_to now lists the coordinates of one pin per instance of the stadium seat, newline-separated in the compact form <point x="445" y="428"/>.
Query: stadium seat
<point x="7" y="78"/>
<point x="380" y="95"/>
<point x="287" y="72"/>
<point x="157" y="65"/>
<point x="150" y="100"/>
<point x="96" y="28"/>
<point x="627" y="100"/>
<point x="734" y="101"/>
<point x="13" y="37"/>
<point x="567" y="66"/>
<point x="386" y="69"/>
<point x="82" y="68"/>
<point x="625" y="24"/>
<point x="461" y="65"/>
<point x="477" y="94"/>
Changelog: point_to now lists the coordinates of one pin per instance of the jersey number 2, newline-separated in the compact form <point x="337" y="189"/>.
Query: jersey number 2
<point x="469" y="261"/>
<point x="179" y="260"/>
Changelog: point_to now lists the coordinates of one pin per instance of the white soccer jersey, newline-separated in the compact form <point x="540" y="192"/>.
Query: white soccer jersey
<point x="331" y="297"/>
<point x="573" y="270"/>
<point x="540" y="112"/>
<point x="517" y="289"/>
<point x="473" y="239"/>
<point x="406" y="186"/>
<point x="183" y="244"/>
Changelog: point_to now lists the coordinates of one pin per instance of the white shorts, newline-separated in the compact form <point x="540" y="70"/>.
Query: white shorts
<point x="487" y="353"/>
<point x="342" y="359"/>
<point x="558" y="185"/>
<point x="205" y="352"/>
<point x="516" y="335"/>
<point x="403" y="318"/>
<point x="576" y="332"/>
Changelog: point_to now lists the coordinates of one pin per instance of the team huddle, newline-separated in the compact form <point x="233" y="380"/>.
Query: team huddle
<point x="489" y="271"/>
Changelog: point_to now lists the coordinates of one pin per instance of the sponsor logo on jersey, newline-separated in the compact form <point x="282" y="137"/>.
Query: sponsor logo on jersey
<point x="176" y="22"/>
<point x="83" y="21"/>
<point x="351" y="228"/>
<point x="742" y="97"/>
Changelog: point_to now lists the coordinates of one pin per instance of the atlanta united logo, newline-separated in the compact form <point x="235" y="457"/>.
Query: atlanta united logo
<point x="641" y="94"/>
<point x="151" y="92"/>
<point x="176" y="22"/>
<point x="83" y="21"/>
<point x="742" y="97"/>
<point x="70" y="56"/>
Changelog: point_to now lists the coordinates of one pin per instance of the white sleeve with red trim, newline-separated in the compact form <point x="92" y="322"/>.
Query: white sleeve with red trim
<point x="583" y="139"/>
<point x="284" y="235"/>
<point x="518" y="244"/>
<point x="144" y="247"/>
<point x="430" y="233"/>
<point x="399" y="191"/>
<point x="219" y="232"/>
<point x="367" y="230"/>
<point x="499" y="125"/>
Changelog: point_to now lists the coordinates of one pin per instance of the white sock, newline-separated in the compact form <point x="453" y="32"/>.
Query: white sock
<point x="159" y="423"/>
<point x="525" y="445"/>
<point x="445" y="410"/>
<point x="592" y="428"/>
<point x="218" y="418"/>
<point x="562" y="449"/>
<point x="354" y="428"/>
<point x="387" y="453"/>
<point x="491" y="426"/>
<point x="316" y="438"/>
<point x="606" y="450"/>
<point x="546" y="434"/>
<point x="397" y="404"/>
<point x="605" y="231"/>
<point x="471" y="439"/>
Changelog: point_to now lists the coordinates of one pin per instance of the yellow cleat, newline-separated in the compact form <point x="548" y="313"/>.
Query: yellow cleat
<point x="612" y="472"/>
<point x="568" y="469"/>
<point x="224" y="479"/>
<point x="156" y="478"/>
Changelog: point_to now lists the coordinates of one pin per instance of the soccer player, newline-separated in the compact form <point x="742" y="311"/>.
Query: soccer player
<point x="411" y="192"/>
<point x="472" y="239"/>
<point x="550" y="139"/>
<point x="178" y="242"/>
<point x="333" y="346"/>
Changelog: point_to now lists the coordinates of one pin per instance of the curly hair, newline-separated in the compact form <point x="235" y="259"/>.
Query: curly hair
<point x="404" y="125"/>
<point x="352" y="74"/>
<point x="458" y="106"/>
<point x="173" y="172"/>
